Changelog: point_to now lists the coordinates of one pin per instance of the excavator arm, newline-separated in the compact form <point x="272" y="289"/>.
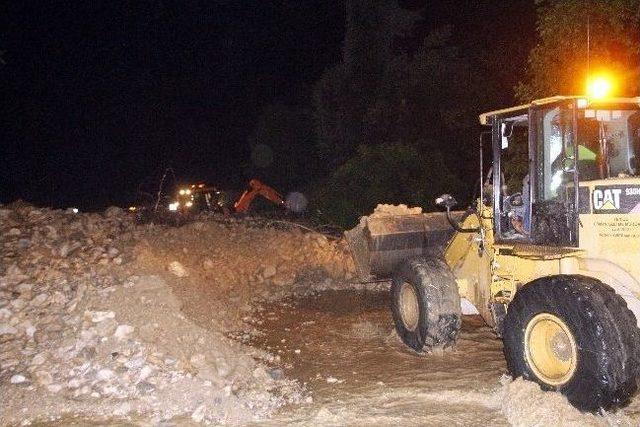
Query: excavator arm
<point x="257" y="188"/>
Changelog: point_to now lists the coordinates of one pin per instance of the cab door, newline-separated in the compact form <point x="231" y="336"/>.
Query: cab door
<point x="553" y="175"/>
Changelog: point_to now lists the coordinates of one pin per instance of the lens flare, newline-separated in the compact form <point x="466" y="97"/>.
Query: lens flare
<point x="297" y="202"/>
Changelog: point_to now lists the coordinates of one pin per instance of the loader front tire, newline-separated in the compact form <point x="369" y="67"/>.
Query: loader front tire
<point x="575" y="335"/>
<point x="426" y="304"/>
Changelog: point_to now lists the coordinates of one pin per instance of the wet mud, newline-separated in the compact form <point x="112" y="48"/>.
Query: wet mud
<point x="342" y="346"/>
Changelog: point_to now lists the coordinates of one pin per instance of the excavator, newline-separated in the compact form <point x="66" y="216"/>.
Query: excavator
<point x="205" y="197"/>
<point x="258" y="188"/>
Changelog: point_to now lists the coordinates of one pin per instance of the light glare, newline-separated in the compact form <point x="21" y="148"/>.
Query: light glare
<point x="599" y="87"/>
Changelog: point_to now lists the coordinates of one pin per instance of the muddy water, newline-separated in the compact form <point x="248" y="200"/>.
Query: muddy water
<point x="342" y="346"/>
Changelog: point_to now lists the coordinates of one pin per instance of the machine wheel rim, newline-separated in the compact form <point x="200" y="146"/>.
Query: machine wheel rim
<point x="550" y="349"/>
<point x="409" y="307"/>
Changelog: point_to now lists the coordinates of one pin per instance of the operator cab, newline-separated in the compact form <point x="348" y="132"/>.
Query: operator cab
<point x="543" y="151"/>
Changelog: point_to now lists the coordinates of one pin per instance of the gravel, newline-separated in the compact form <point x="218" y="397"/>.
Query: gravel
<point x="99" y="315"/>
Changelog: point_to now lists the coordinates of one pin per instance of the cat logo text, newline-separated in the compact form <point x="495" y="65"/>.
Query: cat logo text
<point x="607" y="199"/>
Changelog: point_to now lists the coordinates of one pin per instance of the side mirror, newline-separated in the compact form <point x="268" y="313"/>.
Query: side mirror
<point x="447" y="201"/>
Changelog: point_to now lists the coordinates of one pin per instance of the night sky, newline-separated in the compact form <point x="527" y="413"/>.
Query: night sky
<point x="98" y="98"/>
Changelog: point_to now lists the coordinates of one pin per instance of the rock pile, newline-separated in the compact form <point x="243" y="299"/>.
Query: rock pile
<point x="226" y="267"/>
<point x="383" y="210"/>
<point x="50" y="259"/>
<point x="238" y="254"/>
<point x="75" y="341"/>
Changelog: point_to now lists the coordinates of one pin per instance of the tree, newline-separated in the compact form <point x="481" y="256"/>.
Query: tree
<point x="344" y="93"/>
<point x="385" y="173"/>
<point x="381" y="103"/>
<point x="560" y="62"/>
<point x="429" y="100"/>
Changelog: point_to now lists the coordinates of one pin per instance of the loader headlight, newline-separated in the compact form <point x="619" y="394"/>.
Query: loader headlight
<point x="174" y="206"/>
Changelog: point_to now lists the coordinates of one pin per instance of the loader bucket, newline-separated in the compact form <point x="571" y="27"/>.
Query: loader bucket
<point x="380" y="243"/>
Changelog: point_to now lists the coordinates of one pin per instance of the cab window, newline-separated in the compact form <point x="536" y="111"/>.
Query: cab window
<point x="608" y="143"/>
<point x="553" y="220"/>
<point x="514" y="196"/>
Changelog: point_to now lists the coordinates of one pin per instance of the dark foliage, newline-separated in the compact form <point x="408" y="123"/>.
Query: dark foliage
<point x="560" y="63"/>
<point x="384" y="173"/>
<point x="395" y="121"/>
<point x="395" y="125"/>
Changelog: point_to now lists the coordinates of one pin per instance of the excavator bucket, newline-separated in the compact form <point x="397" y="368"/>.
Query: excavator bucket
<point x="379" y="243"/>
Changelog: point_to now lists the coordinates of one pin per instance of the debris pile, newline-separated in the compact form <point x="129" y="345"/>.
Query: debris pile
<point x="86" y="331"/>
<point x="383" y="210"/>
<point x="226" y="267"/>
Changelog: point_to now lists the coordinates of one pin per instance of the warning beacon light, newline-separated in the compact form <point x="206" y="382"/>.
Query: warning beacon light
<point x="599" y="87"/>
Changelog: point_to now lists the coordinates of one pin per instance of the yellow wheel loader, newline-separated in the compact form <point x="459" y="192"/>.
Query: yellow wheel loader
<point x="549" y="254"/>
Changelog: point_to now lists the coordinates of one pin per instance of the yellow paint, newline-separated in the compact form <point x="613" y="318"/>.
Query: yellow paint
<point x="609" y="250"/>
<point x="550" y="349"/>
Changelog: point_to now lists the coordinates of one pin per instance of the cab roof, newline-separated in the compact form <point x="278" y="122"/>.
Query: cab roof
<point x="524" y="108"/>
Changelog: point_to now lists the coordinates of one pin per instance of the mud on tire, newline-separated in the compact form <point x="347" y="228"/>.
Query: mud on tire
<point x="426" y="304"/>
<point x="602" y="330"/>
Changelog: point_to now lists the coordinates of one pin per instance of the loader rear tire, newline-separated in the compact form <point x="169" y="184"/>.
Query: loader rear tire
<point x="575" y="335"/>
<point x="426" y="304"/>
